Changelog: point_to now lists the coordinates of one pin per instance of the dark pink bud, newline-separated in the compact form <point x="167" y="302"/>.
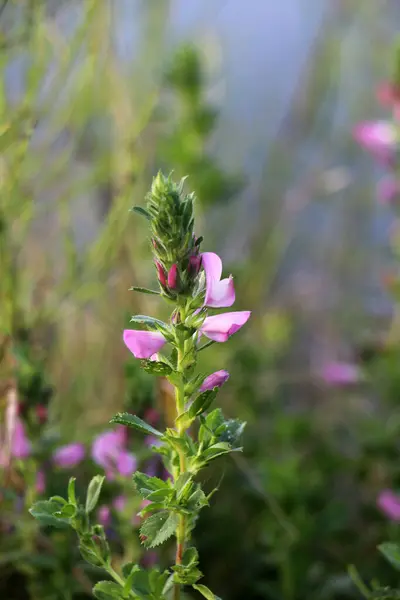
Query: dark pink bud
<point x="194" y="264"/>
<point x="161" y="274"/>
<point x="173" y="277"/>
<point x="41" y="412"/>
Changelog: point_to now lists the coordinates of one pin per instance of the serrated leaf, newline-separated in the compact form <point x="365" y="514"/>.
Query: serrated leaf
<point x="45" y="512"/>
<point x="150" y="322"/>
<point x="202" y="402"/>
<point x="145" y="484"/>
<point x="107" y="590"/>
<point x="93" y="492"/>
<point x="158" y="528"/>
<point x="143" y="290"/>
<point x="134" y="421"/>
<point x="391" y="552"/>
<point x="141" y="211"/>
<point x="205" y="591"/>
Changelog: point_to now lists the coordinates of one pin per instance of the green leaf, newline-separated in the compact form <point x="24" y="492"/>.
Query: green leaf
<point x="157" y="528"/>
<point x="141" y="211"/>
<point x="155" y="367"/>
<point x="134" y="421"/>
<point x="45" y="512"/>
<point x="66" y="512"/>
<point x="90" y="555"/>
<point x="202" y="402"/>
<point x="391" y="552"/>
<point x="107" y="590"/>
<point x="128" y="572"/>
<point x="71" y="491"/>
<point x="93" y="492"/>
<point x="143" y="290"/>
<point x="151" y="323"/>
<point x="207" y="593"/>
<point x="190" y="557"/>
<point x="146" y="485"/>
<point x="184" y="421"/>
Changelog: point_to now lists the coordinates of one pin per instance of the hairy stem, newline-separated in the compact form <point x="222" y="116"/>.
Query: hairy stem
<point x="180" y="407"/>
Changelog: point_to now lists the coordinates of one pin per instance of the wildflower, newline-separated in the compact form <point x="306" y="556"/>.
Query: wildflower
<point x="389" y="503"/>
<point x="216" y="379"/>
<point x="219" y="293"/>
<point x="143" y="344"/>
<point x="173" y="277"/>
<point x="108" y="451"/>
<point x="388" y="190"/>
<point x="380" y="138"/>
<point x="20" y="445"/>
<point x="119" y="503"/>
<point x="69" y="456"/>
<point x="104" y="515"/>
<point x="219" y="328"/>
<point x="340" y="373"/>
<point x="161" y="274"/>
<point x="40" y="484"/>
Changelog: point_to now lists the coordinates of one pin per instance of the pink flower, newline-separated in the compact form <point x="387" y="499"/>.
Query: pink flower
<point x="388" y="190"/>
<point x="340" y="373"/>
<point x="214" y="380"/>
<point x="219" y="328"/>
<point x="379" y="137"/>
<point x="69" y="456"/>
<point x="389" y="503"/>
<point x="104" y="515"/>
<point x="220" y="293"/>
<point x="119" y="503"/>
<point x="143" y="344"/>
<point x="108" y="451"/>
<point x="172" y="277"/>
<point x="40" y="484"/>
<point x="20" y="445"/>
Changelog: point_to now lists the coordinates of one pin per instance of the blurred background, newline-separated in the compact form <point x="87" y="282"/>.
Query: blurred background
<point x="255" y="101"/>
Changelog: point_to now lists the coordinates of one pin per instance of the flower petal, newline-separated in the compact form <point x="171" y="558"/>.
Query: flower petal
<point x="143" y="344"/>
<point x="219" y="328"/>
<point x="214" y="380"/>
<point x="107" y="446"/>
<point x="126" y="463"/>
<point x="389" y="503"/>
<point x="379" y="137"/>
<point x="219" y="294"/>
<point x="69" y="455"/>
<point x="340" y="373"/>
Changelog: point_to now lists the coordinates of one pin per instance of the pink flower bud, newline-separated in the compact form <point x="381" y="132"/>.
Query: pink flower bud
<point x="194" y="264"/>
<point x="173" y="277"/>
<point x="161" y="274"/>
<point x="216" y="379"/>
<point x="41" y="413"/>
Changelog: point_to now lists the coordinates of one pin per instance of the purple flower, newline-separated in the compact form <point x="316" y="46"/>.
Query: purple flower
<point x="69" y="456"/>
<point x="219" y="328"/>
<point x="379" y="137"/>
<point x="104" y="515"/>
<point x="143" y="344"/>
<point x="340" y="373"/>
<point x="108" y="451"/>
<point x="220" y="293"/>
<point x="389" y="503"/>
<point x="119" y="503"/>
<point x="214" y="380"/>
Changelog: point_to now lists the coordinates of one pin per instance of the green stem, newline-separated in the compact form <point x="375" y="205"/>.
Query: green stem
<point x="117" y="578"/>
<point x="180" y="407"/>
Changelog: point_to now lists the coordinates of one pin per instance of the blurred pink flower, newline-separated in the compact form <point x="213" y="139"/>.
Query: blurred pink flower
<point x="220" y="293"/>
<point x="104" y="515"/>
<point x="378" y="137"/>
<point x="119" y="503"/>
<point x="108" y="451"/>
<point x="216" y="379"/>
<point x="389" y="95"/>
<point x="219" y="328"/>
<point x="69" y="456"/>
<point x="40" y="482"/>
<point x="388" y="190"/>
<point x="143" y="344"/>
<point x="340" y="373"/>
<point x="389" y="503"/>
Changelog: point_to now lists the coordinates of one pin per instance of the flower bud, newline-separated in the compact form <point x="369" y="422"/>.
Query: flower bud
<point x="161" y="274"/>
<point x="173" y="277"/>
<point x="194" y="265"/>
